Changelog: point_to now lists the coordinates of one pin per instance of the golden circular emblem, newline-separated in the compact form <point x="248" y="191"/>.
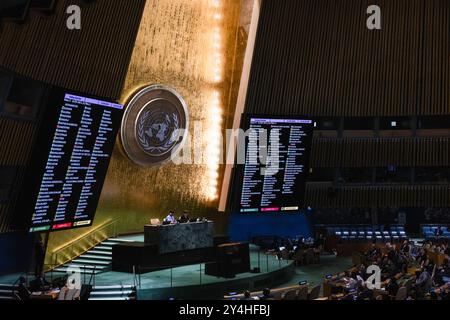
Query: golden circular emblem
<point x="154" y="126"/>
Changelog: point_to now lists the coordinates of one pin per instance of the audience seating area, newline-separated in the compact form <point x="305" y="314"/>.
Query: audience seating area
<point x="408" y="272"/>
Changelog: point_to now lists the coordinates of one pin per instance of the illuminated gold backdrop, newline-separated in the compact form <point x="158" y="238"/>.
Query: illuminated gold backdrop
<point x="196" y="47"/>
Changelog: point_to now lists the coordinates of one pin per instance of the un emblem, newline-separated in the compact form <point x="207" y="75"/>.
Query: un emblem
<point x="154" y="125"/>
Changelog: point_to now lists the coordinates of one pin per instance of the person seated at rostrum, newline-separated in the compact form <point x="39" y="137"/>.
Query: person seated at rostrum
<point x="170" y="218"/>
<point x="184" y="218"/>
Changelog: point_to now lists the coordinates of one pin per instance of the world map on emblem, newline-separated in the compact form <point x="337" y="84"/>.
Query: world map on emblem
<point x="154" y="125"/>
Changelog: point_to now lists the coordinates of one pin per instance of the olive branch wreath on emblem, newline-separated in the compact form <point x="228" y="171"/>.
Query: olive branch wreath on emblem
<point x="143" y="141"/>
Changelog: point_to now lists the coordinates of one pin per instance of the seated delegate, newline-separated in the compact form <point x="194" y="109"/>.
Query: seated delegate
<point x="184" y="218"/>
<point x="170" y="219"/>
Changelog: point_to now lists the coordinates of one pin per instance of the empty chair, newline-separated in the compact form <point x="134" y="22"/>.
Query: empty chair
<point x="315" y="293"/>
<point x="290" y="295"/>
<point x="303" y="293"/>
<point x="402" y="294"/>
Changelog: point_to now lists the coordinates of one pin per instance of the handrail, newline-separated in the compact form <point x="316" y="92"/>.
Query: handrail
<point x="87" y="235"/>
<point x="93" y="234"/>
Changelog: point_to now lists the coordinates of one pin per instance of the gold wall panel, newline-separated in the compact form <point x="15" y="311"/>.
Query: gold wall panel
<point x="177" y="46"/>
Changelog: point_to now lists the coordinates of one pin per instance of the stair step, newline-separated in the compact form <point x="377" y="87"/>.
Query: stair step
<point x="111" y="293"/>
<point x="99" y="288"/>
<point x="119" y="240"/>
<point x="86" y="266"/>
<point x="91" y="262"/>
<point x="113" y="242"/>
<point x="7" y="287"/>
<point x="100" y="252"/>
<point x="109" y="243"/>
<point x="6" y="292"/>
<point x="96" y="257"/>
<point x="82" y="270"/>
<point x="110" y="299"/>
<point x="104" y="248"/>
<point x="7" y="298"/>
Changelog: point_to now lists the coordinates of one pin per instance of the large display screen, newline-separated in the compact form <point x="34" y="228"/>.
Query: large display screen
<point x="277" y="152"/>
<point x="71" y="161"/>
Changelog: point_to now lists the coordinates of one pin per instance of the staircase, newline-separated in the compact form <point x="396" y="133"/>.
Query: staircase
<point x="113" y="293"/>
<point x="6" y="292"/>
<point x="97" y="260"/>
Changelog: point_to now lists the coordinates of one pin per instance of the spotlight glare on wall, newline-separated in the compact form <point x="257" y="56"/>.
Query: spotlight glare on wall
<point x="215" y="111"/>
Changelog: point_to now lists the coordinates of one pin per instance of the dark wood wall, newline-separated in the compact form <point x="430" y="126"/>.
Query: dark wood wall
<point x="318" y="59"/>
<point x="93" y="60"/>
<point x="15" y="150"/>
<point x="381" y="152"/>
<point x="396" y="196"/>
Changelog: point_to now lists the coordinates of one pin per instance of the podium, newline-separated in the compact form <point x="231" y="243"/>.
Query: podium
<point x="231" y="259"/>
<point x="180" y="237"/>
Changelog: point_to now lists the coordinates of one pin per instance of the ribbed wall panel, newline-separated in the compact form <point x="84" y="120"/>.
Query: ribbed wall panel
<point x="317" y="58"/>
<point x="15" y="151"/>
<point x="93" y="60"/>
<point x="379" y="196"/>
<point x="381" y="152"/>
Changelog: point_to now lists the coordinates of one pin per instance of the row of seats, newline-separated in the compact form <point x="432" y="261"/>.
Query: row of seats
<point x="431" y="231"/>
<point x="368" y="233"/>
<point x="300" y="292"/>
